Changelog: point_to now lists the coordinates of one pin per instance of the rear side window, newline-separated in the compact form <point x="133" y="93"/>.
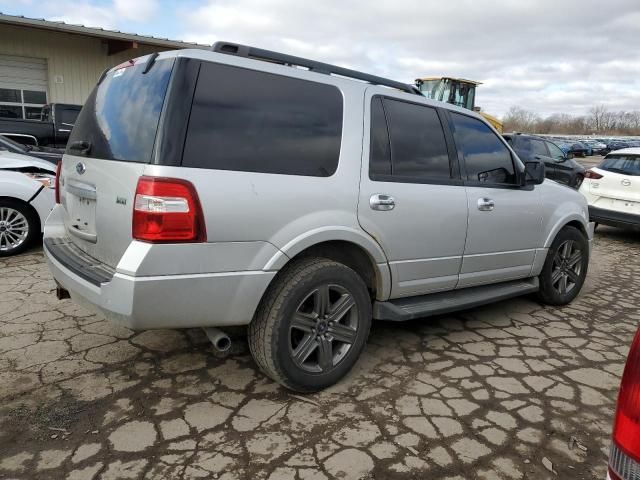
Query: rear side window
<point x="380" y="150"/>
<point x="486" y="158"/>
<point x="252" y="121"/>
<point x="417" y="144"/>
<point x="120" y="118"/>
<point x="624" y="164"/>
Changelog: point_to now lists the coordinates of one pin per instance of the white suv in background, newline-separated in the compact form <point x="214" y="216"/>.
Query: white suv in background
<point x="210" y="189"/>
<point x="612" y="189"/>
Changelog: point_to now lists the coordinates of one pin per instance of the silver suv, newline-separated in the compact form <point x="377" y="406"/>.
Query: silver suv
<point x="225" y="188"/>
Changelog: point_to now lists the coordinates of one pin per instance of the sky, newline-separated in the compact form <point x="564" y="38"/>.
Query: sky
<point x="547" y="56"/>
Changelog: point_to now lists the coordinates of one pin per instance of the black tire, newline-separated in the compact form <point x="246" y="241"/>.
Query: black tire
<point x="558" y="269"/>
<point x="273" y="332"/>
<point x="32" y="226"/>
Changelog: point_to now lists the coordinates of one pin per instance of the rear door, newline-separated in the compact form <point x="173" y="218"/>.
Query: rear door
<point x="504" y="219"/>
<point x="412" y="200"/>
<point x="111" y="142"/>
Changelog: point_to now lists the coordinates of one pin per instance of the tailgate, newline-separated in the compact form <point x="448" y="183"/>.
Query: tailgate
<point x="110" y="145"/>
<point x="98" y="205"/>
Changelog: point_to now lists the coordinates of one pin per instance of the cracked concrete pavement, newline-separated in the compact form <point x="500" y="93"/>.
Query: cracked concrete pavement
<point x="509" y="391"/>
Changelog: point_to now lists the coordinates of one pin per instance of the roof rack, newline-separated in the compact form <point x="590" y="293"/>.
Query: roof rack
<point x="318" y="67"/>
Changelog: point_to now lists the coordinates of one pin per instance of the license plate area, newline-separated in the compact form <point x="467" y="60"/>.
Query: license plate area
<point x="627" y="205"/>
<point x="81" y="209"/>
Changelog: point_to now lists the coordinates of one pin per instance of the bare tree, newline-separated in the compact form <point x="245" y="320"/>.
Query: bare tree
<point x="600" y="121"/>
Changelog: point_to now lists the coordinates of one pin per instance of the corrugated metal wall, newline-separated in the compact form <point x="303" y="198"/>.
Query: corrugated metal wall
<point x="78" y="59"/>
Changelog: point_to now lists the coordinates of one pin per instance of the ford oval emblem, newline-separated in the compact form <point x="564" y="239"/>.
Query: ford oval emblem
<point x="81" y="168"/>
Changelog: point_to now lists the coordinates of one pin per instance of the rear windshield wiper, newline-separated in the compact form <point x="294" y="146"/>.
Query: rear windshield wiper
<point x="80" y="146"/>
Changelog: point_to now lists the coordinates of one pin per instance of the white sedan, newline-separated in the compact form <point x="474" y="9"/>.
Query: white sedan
<point x="27" y="195"/>
<point x="612" y="189"/>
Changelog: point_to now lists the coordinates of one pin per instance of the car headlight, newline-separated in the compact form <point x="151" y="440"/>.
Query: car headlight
<point x="45" y="179"/>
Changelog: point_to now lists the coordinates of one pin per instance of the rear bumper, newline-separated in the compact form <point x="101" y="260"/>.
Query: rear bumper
<point x="614" y="218"/>
<point x="162" y="301"/>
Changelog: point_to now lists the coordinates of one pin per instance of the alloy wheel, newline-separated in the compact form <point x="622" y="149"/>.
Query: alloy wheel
<point x="567" y="267"/>
<point x="14" y="229"/>
<point x="323" y="329"/>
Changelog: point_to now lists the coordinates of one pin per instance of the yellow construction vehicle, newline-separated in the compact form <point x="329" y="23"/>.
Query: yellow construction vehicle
<point x="457" y="91"/>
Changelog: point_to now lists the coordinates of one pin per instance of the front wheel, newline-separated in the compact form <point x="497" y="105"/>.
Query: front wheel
<point x="565" y="268"/>
<point x="19" y="225"/>
<point x="312" y="325"/>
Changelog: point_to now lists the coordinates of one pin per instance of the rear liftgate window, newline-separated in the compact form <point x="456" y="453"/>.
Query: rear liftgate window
<point x="120" y="118"/>
<point x="252" y="121"/>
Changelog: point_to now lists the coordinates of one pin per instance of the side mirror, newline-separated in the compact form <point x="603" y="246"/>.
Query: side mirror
<point x="570" y="156"/>
<point x="533" y="173"/>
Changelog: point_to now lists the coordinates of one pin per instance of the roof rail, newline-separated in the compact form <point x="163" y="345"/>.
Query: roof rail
<point x="318" y="67"/>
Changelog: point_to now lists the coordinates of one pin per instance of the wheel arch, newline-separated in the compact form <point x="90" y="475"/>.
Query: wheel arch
<point x="354" y="249"/>
<point x="575" y="220"/>
<point x="27" y="206"/>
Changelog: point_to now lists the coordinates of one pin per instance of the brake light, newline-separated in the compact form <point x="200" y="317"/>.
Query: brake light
<point x="626" y="427"/>
<point x="167" y="210"/>
<point x="592" y="175"/>
<point x="58" y="170"/>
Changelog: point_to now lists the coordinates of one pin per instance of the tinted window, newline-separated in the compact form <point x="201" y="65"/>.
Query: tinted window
<point x="259" y="122"/>
<point x="120" y="117"/>
<point x="380" y="151"/>
<point x="487" y="159"/>
<point x="625" y="164"/>
<point x="555" y="151"/>
<point x="67" y="116"/>
<point x="418" y="146"/>
<point x="528" y="148"/>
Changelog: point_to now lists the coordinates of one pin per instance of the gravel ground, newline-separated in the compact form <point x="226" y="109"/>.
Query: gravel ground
<point x="513" y="391"/>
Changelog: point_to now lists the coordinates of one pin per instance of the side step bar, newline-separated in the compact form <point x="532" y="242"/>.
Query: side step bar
<point x="410" y="308"/>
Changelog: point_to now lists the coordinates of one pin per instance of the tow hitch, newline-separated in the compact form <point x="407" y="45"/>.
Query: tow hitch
<point x="61" y="292"/>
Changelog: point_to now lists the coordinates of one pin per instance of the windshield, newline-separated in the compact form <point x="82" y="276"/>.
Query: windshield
<point x="120" y="118"/>
<point x="625" y="164"/>
<point x="8" y="144"/>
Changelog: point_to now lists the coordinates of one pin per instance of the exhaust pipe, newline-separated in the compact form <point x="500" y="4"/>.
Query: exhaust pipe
<point x="220" y="340"/>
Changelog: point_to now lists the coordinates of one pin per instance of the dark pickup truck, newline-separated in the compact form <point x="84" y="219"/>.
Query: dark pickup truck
<point x="53" y="128"/>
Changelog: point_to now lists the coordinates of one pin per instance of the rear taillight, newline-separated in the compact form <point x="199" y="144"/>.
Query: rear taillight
<point x="58" y="170"/>
<point x="625" y="451"/>
<point x="592" y="175"/>
<point x="167" y="210"/>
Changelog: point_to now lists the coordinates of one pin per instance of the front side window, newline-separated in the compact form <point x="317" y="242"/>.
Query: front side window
<point x="418" y="145"/>
<point x="250" y="121"/>
<point x="555" y="151"/>
<point x="486" y="157"/>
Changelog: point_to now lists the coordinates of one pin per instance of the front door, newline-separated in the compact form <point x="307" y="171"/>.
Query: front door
<point x="504" y="219"/>
<point x="412" y="200"/>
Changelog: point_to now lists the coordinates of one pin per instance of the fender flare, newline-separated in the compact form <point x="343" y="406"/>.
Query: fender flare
<point x="337" y="233"/>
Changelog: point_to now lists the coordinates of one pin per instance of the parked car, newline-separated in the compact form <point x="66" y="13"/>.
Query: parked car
<point x="579" y="149"/>
<point x="53" y="155"/>
<point x="597" y="147"/>
<point x="558" y="165"/>
<point x="613" y="189"/>
<point x="617" y="145"/>
<point x="290" y="208"/>
<point x="27" y="197"/>
<point x="624" y="456"/>
<point x="53" y="128"/>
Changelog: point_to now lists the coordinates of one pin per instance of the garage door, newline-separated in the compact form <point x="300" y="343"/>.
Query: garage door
<point x="23" y="86"/>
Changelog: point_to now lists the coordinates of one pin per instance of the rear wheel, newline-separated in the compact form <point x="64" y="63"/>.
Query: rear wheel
<point x="312" y="325"/>
<point x="565" y="268"/>
<point x="18" y="226"/>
